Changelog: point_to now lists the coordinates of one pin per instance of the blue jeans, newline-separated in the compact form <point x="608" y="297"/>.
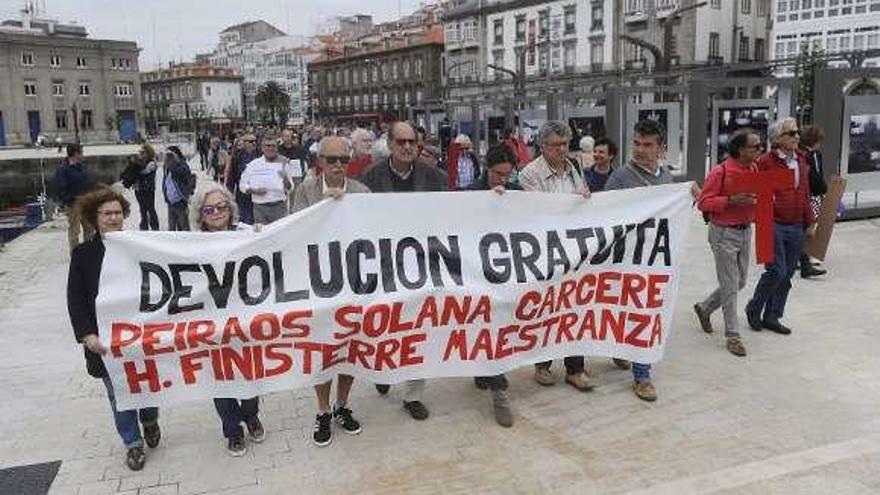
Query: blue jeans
<point x="641" y="372"/>
<point x="771" y="293"/>
<point x="232" y="412"/>
<point x="127" y="421"/>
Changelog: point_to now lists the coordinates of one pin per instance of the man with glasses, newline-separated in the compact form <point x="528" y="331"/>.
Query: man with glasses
<point x="730" y="233"/>
<point x="235" y="166"/>
<point x="267" y="181"/>
<point x="553" y="172"/>
<point x="334" y="154"/>
<point x="402" y="173"/>
<point x="793" y="218"/>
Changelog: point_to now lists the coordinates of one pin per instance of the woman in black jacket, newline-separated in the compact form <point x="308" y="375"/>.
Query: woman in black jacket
<point x="106" y="210"/>
<point x="811" y="138"/>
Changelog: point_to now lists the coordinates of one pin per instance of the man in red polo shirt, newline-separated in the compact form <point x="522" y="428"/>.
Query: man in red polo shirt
<point x="730" y="233"/>
<point x="793" y="219"/>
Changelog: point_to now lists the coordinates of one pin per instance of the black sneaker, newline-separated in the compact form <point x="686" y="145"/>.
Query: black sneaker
<point x="322" y="435"/>
<point x="152" y="435"/>
<point x="775" y="326"/>
<point x="344" y="419"/>
<point x="416" y="409"/>
<point x="236" y="446"/>
<point x="382" y="389"/>
<point x="754" y="318"/>
<point x="135" y="458"/>
<point x="255" y="430"/>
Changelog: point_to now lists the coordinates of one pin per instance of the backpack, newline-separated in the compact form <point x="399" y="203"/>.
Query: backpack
<point x="706" y="217"/>
<point x="189" y="186"/>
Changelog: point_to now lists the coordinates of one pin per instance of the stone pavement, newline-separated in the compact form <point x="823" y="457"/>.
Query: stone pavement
<point x="798" y="415"/>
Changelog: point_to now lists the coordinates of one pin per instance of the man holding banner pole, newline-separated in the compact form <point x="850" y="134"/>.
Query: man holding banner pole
<point x="402" y="173"/>
<point x="553" y="172"/>
<point x="333" y="156"/>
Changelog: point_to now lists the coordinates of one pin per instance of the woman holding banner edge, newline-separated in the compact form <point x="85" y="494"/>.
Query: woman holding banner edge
<point x="215" y="210"/>
<point x="105" y="210"/>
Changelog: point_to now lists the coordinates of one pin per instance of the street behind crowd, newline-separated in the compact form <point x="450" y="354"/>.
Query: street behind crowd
<point x="797" y="415"/>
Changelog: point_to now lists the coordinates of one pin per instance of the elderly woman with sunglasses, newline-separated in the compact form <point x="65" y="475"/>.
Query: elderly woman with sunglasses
<point x="215" y="210"/>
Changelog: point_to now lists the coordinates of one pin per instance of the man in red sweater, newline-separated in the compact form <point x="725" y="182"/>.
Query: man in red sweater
<point x="793" y="218"/>
<point x="730" y="233"/>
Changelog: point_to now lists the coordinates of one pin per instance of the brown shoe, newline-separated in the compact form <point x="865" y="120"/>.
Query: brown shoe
<point x="736" y="347"/>
<point x="645" y="391"/>
<point x="501" y="406"/>
<point x="621" y="363"/>
<point x="544" y="377"/>
<point x="579" y="381"/>
<point x="703" y="316"/>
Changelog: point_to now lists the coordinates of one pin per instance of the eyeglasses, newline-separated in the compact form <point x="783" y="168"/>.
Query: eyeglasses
<point x="336" y="160"/>
<point x="111" y="213"/>
<point x="405" y="142"/>
<point x="212" y="209"/>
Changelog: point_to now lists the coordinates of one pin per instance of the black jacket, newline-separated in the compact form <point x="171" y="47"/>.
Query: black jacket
<point x="425" y="178"/>
<point x="818" y="187"/>
<point x="82" y="290"/>
<point x="71" y="181"/>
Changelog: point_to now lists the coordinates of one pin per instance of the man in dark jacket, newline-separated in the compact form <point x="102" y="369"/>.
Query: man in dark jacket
<point x="811" y="139"/>
<point x="176" y="189"/>
<point x="72" y="181"/>
<point x="402" y="173"/>
<point x="793" y="219"/>
<point x="238" y="161"/>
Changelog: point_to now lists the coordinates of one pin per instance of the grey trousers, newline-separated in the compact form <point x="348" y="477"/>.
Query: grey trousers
<point x="266" y="213"/>
<point x="731" y="248"/>
<point x="178" y="216"/>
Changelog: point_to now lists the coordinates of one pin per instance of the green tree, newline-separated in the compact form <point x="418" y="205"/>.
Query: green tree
<point x="806" y="65"/>
<point x="273" y="101"/>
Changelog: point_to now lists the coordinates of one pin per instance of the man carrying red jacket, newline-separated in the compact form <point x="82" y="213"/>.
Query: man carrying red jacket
<point x="730" y="233"/>
<point x="793" y="218"/>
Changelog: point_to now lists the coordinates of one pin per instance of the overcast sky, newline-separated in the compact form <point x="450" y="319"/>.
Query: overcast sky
<point x="178" y="29"/>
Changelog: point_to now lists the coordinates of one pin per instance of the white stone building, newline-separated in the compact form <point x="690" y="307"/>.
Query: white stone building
<point x="832" y="26"/>
<point x="261" y="53"/>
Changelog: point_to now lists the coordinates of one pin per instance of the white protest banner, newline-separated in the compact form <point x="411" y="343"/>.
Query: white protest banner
<point x="390" y="287"/>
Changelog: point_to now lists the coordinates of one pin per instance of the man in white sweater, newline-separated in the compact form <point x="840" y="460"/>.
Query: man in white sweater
<point x="267" y="181"/>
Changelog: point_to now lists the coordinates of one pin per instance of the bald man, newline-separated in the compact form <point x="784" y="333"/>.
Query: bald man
<point x="403" y="173"/>
<point x="333" y="156"/>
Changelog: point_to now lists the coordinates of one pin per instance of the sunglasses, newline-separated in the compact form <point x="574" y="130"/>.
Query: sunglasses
<point x="336" y="160"/>
<point x="212" y="209"/>
<point x="405" y="142"/>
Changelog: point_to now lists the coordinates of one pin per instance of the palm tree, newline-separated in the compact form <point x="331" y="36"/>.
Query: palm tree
<point x="272" y="99"/>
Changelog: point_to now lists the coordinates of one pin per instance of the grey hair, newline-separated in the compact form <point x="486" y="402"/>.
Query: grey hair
<point x="198" y="201"/>
<point x="775" y="129"/>
<point x="361" y="132"/>
<point x="558" y="127"/>
<point x="325" y="139"/>
<point x="380" y="150"/>
<point x="587" y="144"/>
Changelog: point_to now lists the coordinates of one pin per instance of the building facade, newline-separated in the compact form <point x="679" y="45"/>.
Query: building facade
<point x="261" y="53"/>
<point x="191" y="97"/>
<point x="380" y="81"/>
<point x="718" y="32"/>
<point x="57" y="82"/>
<point x="830" y="26"/>
<point x="488" y="41"/>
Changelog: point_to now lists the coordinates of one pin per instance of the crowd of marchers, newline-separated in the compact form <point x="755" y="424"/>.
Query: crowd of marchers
<point x="260" y="177"/>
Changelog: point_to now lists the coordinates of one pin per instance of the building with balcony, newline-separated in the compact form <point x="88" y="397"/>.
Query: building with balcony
<point x="830" y="26"/>
<point x="191" y="97"/>
<point x="60" y="83"/>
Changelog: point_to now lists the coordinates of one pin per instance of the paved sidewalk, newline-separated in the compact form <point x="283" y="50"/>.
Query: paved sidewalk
<point x="798" y="415"/>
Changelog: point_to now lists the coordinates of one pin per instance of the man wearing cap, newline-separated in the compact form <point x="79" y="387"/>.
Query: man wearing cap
<point x="267" y="181"/>
<point x="465" y="169"/>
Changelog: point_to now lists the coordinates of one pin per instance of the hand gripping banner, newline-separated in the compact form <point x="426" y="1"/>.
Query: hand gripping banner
<point x="390" y="287"/>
